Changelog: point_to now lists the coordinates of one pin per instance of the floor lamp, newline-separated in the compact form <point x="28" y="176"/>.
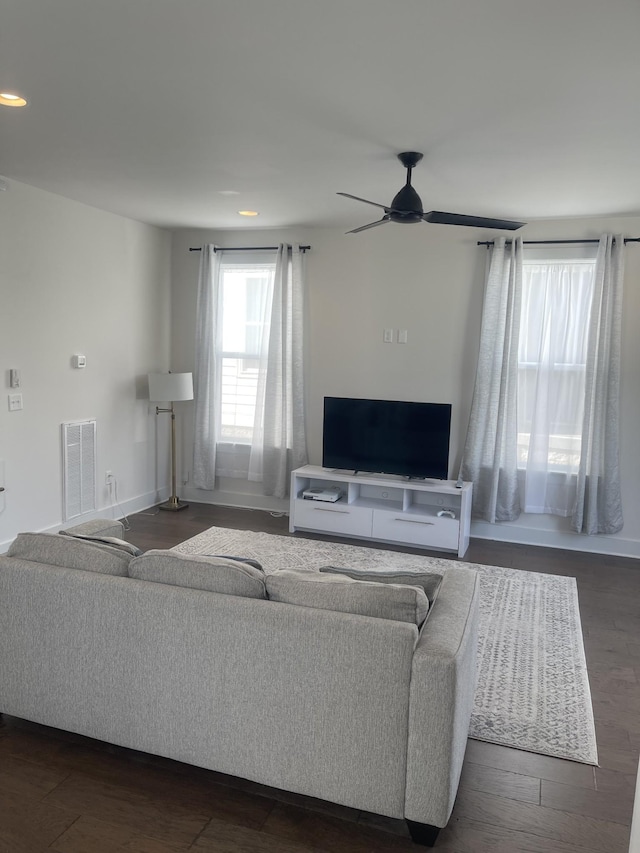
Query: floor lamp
<point x="170" y="388"/>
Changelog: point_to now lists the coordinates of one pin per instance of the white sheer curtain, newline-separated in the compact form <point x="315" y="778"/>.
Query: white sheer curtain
<point x="205" y="428"/>
<point x="598" y="501"/>
<point x="490" y="452"/>
<point x="256" y="457"/>
<point x="554" y="344"/>
<point x="279" y="443"/>
<point x="556" y="305"/>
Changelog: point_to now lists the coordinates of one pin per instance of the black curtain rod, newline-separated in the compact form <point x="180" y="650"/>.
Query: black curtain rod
<point x="552" y="242"/>
<point x="245" y="249"/>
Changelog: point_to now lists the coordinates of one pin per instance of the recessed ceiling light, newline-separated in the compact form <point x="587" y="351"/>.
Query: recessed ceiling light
<point x="10" y="99"/>
<point x="248" y="213"/>
<point x="228" y="192"/>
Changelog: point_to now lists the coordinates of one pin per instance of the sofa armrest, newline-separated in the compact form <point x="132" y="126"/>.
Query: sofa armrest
<point x="443" y="682"/>
<point x="98" y="527"/>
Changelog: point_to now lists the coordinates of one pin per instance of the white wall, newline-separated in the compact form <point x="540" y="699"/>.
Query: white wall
<point x="74" y="279"/>
<point x="428" y="280"/>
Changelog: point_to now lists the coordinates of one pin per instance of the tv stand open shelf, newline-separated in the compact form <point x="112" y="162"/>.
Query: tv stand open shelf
<point x="384" y="508"/>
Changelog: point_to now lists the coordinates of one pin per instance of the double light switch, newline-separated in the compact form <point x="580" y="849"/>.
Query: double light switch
<point x="402" y="338"/>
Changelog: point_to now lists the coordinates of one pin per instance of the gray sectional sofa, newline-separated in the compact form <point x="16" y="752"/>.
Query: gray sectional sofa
<point x="348" y="690"/>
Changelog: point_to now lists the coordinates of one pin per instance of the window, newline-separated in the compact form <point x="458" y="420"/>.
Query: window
<point x="554" y="324"/>
<point x="249" y="389"/>
<point x="243" y="315"/>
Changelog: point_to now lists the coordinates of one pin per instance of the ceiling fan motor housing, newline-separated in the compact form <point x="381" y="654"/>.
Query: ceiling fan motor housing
<point x="406" y="206"/>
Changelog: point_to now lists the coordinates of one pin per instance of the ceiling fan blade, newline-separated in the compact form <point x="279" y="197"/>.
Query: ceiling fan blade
<point x="370" y="225"/>
<point x="356" y="198"/>
<point x="442" y="218"/>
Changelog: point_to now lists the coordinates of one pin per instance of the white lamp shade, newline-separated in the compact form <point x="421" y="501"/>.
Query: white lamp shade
<point x="169" y="387"/>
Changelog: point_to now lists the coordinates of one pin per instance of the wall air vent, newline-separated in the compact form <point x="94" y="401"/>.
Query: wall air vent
<point x="78" y="468"/>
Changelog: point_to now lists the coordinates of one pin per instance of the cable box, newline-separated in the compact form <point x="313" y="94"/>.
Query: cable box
<point x="328" y="493"/>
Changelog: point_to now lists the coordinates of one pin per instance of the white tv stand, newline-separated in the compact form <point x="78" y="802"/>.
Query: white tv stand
<point x="385" y="508"/>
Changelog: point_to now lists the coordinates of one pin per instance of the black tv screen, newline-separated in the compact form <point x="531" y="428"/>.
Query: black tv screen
<point x="387" y="437"/>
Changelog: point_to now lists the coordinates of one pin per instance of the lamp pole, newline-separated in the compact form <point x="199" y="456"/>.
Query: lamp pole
<point x="173" y="504"/>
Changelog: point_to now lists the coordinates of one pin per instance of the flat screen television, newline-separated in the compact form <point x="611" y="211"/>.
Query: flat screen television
<point x="387" y="437"/>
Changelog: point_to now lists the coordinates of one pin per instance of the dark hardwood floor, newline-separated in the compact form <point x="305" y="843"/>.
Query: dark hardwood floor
<point x="65" y="793"/>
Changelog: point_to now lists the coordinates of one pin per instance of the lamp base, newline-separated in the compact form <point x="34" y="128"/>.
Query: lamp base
<point x="173" y="505"/>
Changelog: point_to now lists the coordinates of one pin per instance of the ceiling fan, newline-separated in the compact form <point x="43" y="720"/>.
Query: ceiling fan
<point x="406" y="206"/>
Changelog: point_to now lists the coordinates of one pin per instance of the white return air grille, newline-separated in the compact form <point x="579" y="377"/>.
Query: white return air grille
<point x="79" y="468"/>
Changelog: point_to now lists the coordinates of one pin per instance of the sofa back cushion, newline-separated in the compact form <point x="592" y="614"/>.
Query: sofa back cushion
<point x="339" y="592"/>
<point x="214" y="574"/>
<point x="71" y="553"/>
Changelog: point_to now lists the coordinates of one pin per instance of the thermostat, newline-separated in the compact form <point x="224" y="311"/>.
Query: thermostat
<point x="79" y="361"/>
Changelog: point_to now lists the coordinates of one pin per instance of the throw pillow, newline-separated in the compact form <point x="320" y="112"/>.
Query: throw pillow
<point x="70" y="553"/>
<point x="120" y="544"/>
<point x="429" y="582"/>
<point x="214" y="574"/>
<point x="341" y="593"/>
<point x="248" y="560"/>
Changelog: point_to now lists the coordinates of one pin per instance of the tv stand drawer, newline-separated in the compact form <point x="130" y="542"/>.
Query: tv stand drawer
<point x="423" y="530"/>
<point x="338" y="517"/>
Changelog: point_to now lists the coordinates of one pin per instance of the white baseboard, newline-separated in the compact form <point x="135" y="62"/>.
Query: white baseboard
<point x="241" y="500"/>
<point x="635" y="822"/>
<point x="519" y="534"/>
<point x="123" y="508"/>
<point x="111" y="511"/>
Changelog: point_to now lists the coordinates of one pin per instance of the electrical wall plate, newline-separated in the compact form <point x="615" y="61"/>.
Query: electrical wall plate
<point x="79" y="361"/>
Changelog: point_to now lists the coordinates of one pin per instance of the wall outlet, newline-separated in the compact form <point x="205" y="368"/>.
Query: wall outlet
<point x="108" y="478"/>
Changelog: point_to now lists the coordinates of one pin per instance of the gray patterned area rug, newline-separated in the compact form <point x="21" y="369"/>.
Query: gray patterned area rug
<point x="533" y="688"/>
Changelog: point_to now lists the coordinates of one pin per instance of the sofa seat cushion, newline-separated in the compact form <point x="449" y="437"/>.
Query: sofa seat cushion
<point x="214" y="574"/>
<point x="338" y="592"/>
<point x="428" y="581"/>
<point x="71" y="553"/>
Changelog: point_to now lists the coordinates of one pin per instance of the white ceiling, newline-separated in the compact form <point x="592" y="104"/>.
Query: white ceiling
<point x="154" y="109"/>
